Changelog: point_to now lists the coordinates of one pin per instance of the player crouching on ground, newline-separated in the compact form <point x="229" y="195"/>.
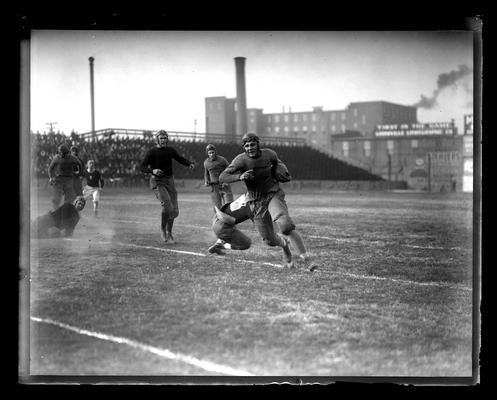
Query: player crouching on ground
<point x="229" y="237"/>
<point x="60" y="222"/>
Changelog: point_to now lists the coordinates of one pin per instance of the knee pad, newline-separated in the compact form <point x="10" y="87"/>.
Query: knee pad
<point x="285" y="224"/>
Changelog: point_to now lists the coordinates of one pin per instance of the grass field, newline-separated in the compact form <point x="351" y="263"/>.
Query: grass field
<point x="393" y="296"/>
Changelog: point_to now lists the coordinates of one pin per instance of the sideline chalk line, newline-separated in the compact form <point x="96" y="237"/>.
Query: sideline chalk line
<point x="205" y="365"/>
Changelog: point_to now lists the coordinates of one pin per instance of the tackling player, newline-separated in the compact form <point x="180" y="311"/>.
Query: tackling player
<point x="94" y="185"/>
<point x="158" y="162"/>
<point x="256" y="167"/>
<point x="214" y="164"/>
<point x="229" y="237"/>
<point x="60" y="222"/>
<point x="61" y="176"/>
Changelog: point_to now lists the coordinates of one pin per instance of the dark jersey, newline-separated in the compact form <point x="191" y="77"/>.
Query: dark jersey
<point x="213" y="168"/>
<point x="263" y="182"/>
<point x="94" y="178"/>
<point x="162" y="158"/>
<point x="65" y="218"/>
<point x="63" y="166"/>
<point x="81" y="168"/>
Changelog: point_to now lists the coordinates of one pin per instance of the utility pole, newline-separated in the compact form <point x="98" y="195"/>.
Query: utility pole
<point x="92" y="98"/>
<point x="51" y="124"/>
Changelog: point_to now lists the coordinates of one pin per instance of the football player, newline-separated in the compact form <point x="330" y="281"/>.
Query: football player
<point x="59" y="222"/>
<point x="94" y="185"/>
<point x="78" y="175"/>
<point x="214" y="164"/>
<point x="61" y="173"/>
<point x="256" y="167"/>
<point x="158" y="162"/>
<point x="230" y="237"/>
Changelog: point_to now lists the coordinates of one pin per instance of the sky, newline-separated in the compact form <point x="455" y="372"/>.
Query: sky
<point x="159" y="79"/>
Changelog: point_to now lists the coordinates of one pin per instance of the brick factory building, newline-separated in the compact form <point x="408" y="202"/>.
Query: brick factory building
<point x="381" y="137"/>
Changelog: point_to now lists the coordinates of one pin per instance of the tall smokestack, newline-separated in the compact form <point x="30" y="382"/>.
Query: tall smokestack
<point x="241" y="101"/>
<point x="92" y="98"/>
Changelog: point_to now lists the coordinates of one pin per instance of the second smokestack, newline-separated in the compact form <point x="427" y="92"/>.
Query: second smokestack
<point x="241" y="99"/>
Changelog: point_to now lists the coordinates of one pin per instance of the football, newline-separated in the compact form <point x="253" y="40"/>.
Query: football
<point x="281" y="173"/>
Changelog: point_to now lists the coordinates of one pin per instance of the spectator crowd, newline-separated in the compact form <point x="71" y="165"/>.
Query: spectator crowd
<point x="118" y="158"/>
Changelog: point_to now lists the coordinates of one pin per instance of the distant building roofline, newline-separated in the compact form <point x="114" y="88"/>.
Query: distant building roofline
<point x="379" y="102"/>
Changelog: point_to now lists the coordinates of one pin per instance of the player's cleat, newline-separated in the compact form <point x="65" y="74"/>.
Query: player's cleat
<point x="170" y="238"/>
<point x="217" y="248"/>
<point x="308" y="262"/>
<point x="163" y="236"/>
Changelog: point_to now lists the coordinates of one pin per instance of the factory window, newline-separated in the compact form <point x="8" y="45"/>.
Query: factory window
<point x="355" y="112"/>
<point x="285" y="129"/>
<point x="314" y="129"/>
<point x="304" y="129"/>
<point x="345" y="149"/>
<point x="252" y="113"/>
<point x="390" y="146"/>
<point x="342" y="127"/>
<point x="314" y="117"/>
<point x="363" y="119"/>
<point x="304" y="117"/>
<point x="295" y="118"/>
<point x="276" y="118"/>
<point x="414" y="144"/>
<point x="367" y="148"/>
<point x="252" y="120"/>
<point x="277" y="129"/>
<point x="333" y="128"/>
<point x="286" y="118"/>
<point x="332" y="116"/>
<point x="355" y="125"/>
<point x="343" y="115"/>
<point x="268" y="129"/>
<point x="268" y="118"/>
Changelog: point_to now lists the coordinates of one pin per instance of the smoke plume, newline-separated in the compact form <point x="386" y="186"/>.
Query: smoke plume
<point x="445" y="80"/>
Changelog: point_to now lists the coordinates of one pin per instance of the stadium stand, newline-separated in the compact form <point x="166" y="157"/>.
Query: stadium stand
<point x="118" y="158"/>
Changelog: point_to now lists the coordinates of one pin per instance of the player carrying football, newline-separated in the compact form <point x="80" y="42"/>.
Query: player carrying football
<point x="158" y="162"/>
<point x="256" y="167"/>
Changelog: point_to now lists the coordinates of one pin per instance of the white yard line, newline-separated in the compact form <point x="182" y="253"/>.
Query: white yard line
<point x="355" y="276"/>
<point x="404" y="281"/>
<point x="205" y="365"/>
<point x="334" y="239"/>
